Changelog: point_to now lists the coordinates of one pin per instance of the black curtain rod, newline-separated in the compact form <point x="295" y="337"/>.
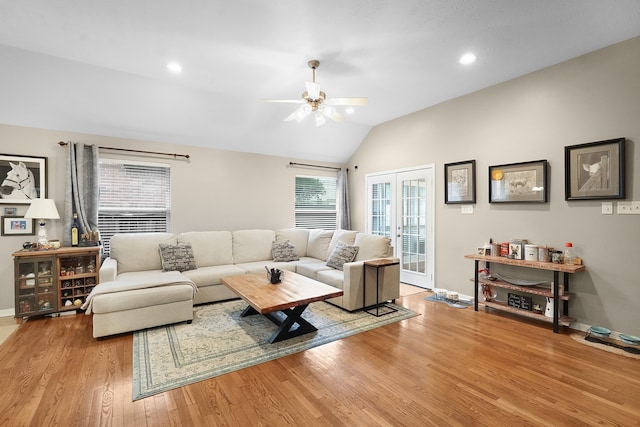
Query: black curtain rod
<point x="314" y="166"/>
<point x="186" y="156"/>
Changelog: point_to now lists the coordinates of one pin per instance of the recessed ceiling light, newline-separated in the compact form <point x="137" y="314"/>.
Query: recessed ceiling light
<point x="174" y="67"/>
<point x="467" y="58"/>
<point x="349" y="110"/>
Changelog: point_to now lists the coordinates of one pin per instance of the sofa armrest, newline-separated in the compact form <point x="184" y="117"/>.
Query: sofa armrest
<point x="354" y="279"/>
<point x="108" y="270"/>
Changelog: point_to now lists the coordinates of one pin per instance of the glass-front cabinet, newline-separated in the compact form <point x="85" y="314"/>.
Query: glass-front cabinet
<point x="53" y="281"/>
<point x="36" y="291"/>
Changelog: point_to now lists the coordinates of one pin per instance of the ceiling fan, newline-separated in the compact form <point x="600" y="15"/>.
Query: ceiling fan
<point x="315" y="101"/>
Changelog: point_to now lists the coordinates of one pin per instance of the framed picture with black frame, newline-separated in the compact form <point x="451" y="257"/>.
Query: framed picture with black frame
<point x="17" y="226"/>
<point x="524" y="182"/>
<point x="460" y="182"/>
<point x="595" y="170"/>
<point x="22" y="178"/>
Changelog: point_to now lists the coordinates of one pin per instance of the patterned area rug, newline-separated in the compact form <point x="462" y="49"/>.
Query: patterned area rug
<point x="220" y="341"/>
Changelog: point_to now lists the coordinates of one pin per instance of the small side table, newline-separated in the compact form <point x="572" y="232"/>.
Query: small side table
<point x="377" y="264"/>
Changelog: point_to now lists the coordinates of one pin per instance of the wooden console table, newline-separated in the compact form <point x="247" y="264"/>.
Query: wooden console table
<point x="553" y="293"/>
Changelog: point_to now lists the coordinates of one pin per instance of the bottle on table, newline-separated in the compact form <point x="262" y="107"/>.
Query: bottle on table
<point x="569" y="255"/>
<point x="75" y="231"/>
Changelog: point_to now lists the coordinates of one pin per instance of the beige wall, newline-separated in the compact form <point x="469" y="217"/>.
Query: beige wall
<point x="591" y="98"/>
<point x="213" y="190"/>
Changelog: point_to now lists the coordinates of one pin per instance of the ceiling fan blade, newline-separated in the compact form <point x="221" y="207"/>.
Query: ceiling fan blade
<point x="331" y="113"/>
<point x="347" y="101"/>
<point x="287" y="101"/>
<point x="313" y="89"/>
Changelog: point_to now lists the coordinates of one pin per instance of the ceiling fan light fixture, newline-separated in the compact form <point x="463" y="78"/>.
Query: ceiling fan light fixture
<point x="320" y="120"/>
<point x="314" y="100"/>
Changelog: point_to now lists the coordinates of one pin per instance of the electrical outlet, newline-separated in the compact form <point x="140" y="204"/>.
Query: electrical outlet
<point x="635" y="208"/>
<point x="607" y="208"/>
<point x="624" y="208"/>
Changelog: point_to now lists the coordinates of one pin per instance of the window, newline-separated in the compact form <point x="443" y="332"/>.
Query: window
<point x="316" y="202"/>
<point x="135" y="197"/>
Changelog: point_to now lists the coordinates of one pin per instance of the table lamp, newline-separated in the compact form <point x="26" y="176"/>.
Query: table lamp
<point x="42" y="209"/>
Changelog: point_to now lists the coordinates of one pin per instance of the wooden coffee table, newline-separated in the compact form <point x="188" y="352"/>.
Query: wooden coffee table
<point x="282" y="303"/>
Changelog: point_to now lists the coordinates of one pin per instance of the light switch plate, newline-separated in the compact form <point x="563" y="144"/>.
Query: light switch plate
<point x="466" y="209"/>
<point x="607" y="208"/>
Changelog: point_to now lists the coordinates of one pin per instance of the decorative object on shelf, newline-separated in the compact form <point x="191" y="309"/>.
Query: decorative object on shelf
<point x="550" y="308"/>
<point x="519" y="301"/>
<point x="595" y="170"/>
<point x="519" y="282"/>
<point x="518" y="182"/>
<point x="18" y="226"/>
<point x="516" y="249"/>
<point x="460" y="182"/>
<point x="42" y="209"/>
<point x="25" y="178"/>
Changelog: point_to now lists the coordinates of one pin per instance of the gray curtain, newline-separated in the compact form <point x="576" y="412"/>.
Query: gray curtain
<point x="81" y="191"/>
<point x="344" y="212"/>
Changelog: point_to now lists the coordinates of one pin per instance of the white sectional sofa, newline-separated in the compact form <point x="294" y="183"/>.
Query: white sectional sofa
<point x="136" y="258"/>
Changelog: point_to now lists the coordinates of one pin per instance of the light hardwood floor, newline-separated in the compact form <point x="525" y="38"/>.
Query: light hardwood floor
<point x="446" y="366"/>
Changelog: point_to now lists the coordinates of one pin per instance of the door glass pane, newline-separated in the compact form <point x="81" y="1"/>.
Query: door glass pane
<point x="413" y="225"/>
<point x="381" y="209"/>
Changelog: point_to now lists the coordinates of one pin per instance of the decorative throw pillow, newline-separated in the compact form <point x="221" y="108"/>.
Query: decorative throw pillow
<point x="284" y="251"/>
<point x="177" y="257"/>
<point x="341" y="254"/>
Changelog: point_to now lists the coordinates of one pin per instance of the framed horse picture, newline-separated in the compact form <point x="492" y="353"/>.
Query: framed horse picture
<point x="23" y="178"/>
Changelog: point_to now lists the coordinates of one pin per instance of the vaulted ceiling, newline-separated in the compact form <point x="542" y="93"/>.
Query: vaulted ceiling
<point x="99" y="67"/>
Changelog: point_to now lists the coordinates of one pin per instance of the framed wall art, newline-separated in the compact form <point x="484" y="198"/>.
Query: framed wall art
<point x="594" y="170"/>
<point x="460" y="182"/>
<point x="22" y="178"/>
<point x="518" y="182"/>
<point x="18" y="226"/>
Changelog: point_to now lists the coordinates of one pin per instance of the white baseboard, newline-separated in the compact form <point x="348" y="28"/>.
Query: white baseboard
<point x="8" y="312"/>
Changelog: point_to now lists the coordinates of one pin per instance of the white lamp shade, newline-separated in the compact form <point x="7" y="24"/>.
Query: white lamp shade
<point x="42" y="209"/>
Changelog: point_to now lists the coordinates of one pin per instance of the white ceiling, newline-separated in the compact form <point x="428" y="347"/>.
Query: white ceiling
<point x="99" y="67"/>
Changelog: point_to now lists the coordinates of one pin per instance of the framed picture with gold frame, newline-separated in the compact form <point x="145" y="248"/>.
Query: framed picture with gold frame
<point x="518" y="182"/>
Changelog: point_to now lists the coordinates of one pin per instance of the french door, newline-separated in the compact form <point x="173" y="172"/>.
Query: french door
<point x="400" y="206"/>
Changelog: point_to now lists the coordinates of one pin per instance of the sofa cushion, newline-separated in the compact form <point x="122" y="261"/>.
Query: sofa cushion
<point x="310" y="269"/>
<point x="372" y="246"/>
<point x="177" y="257"/>
<point x="318" y="245"/>
<point x="346" y="236"/>
<point x="139" y="251"/>
<point x="211" y="275"/>
<point x="209" y="247"/>
<point x="297" y="236"/>
<point x="284" y="251"/>
<point x="252" y="245"/>
<point x="341" y="253"/>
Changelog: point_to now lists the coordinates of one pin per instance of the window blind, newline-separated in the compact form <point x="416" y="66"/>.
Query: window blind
<point x="135" y="197"/>
<point x="315" y="205"/>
